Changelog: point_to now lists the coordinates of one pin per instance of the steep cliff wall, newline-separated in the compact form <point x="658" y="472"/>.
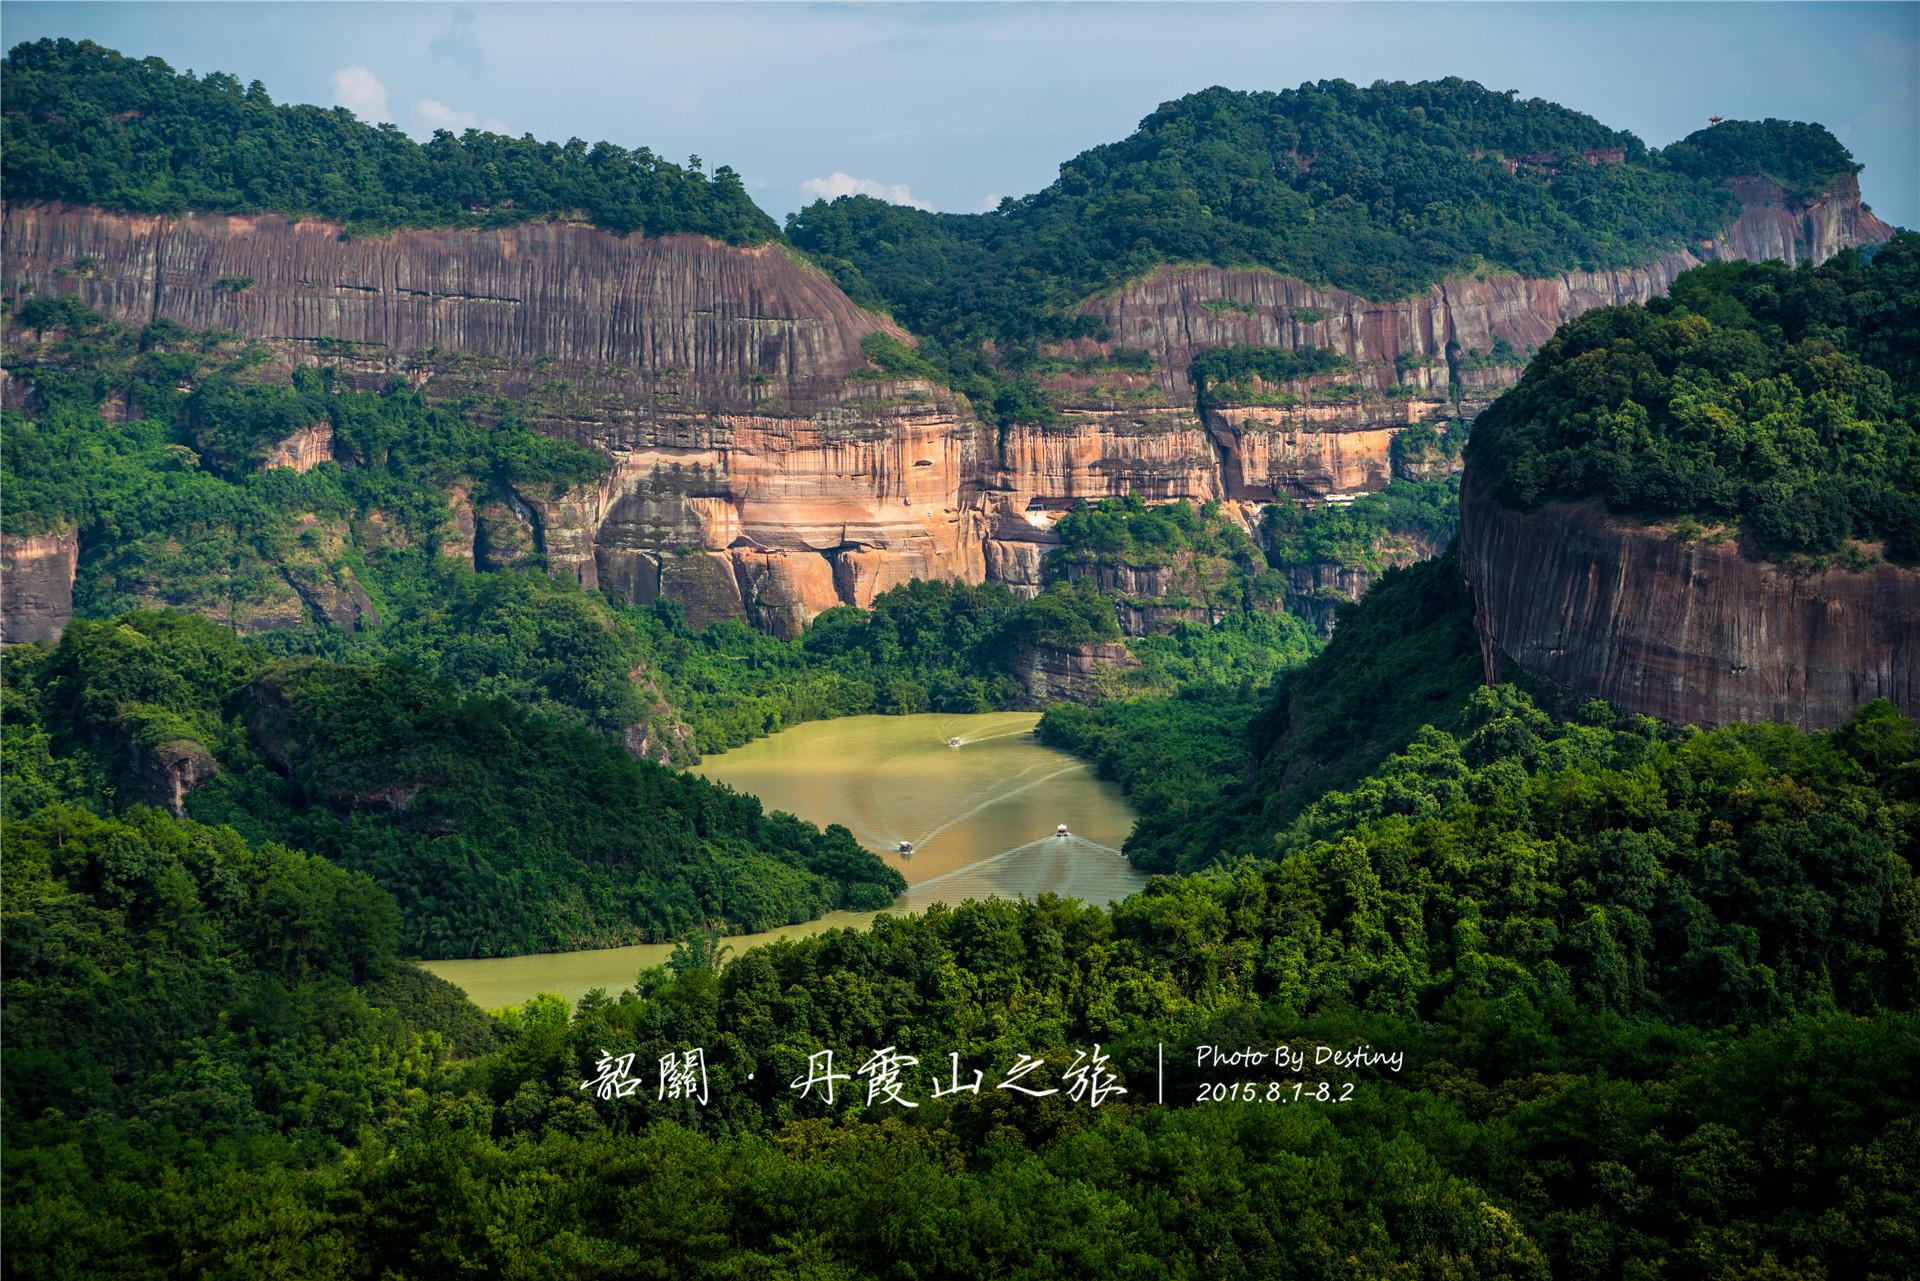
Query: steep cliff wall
<point x="751" y="478"/>
<point x="1177" y="313"/>
<point x="1772" y="226"/>
<point x="677" y="318"/>
<point x="36" y="585"/>
<point x="1689" y="632"/>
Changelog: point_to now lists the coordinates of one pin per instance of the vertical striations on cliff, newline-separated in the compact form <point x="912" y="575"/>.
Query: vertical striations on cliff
<point x="1693" y="632"/>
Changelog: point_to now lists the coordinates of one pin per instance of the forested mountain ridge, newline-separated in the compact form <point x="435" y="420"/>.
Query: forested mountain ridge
<point x="88" y="126"/>
<point x="1382" y="192"/>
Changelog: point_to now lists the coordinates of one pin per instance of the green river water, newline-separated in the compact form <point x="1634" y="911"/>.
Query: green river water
<point x="981" y="818"/>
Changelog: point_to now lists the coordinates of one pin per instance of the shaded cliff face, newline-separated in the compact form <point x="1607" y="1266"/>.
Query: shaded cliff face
<point x="1772" y="226"/>
<point x="1176" y="314"/>
<point x="1597" y="607"/>
<point x="678" y="318"/>
<point x="165" y="773"/>
<point x="36" y="585"/>
<point x="1067" y="673"/>
<point x="1316" y="590"/>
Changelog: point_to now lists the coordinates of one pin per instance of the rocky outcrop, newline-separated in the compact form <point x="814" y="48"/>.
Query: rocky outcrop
<point x="1773" y="226"/>
<point x="166" y="772"/>
<point x="1193" y="587"/>
<point x="662" y="737"/>
<point x="1316" y="589"/>
<point x="1307" y="453"/>
<point x="36" y="585"/>
<point x="801" y="513"/>
<point x="302" y="451"/>
<point x="1689" y="631"/>
<point x="317" y="574"/>
<point x="1177" y="313"/>
<point x="1067" y="673"/>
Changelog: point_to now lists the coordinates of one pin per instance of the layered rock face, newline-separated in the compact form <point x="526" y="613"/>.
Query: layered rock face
<point x="674" y="317"/>
<point x="799" y="513"/>
<point x="36" y="585"/>
<point x="1772" y="226"/>
<point x="1176" y="314"/>
<point x="1597" y="607"/>
<point x="1067" y="673"/>
<point x="1315" y="591"/>
<point x="751" y="477"/>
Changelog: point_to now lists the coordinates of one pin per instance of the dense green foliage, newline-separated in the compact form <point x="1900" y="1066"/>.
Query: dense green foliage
<point x="1172" y="754"/>
<point x="1176" y="737"/>
<point x="1654" y="989"/>
<point x="1783" y="401"/>
<point x="1356" y="535"/>
<point x="1803" y="158"/>
<point x="1216" y="771"/>
<point x="1126" y="528"/>
<point x="1228" y="373"/>
<point x="496" y="830"/>
<point x="1381" y="191"/>
<point x="924" y="647"/>
<point x="1640" y="1039"/>
<point x="84" y="124"/>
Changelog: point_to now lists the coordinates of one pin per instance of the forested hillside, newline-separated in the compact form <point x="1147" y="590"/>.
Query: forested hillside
<point x="1594" y="998"/>
<point x="1779" y="401"/>
<point x="496" y="830"/>
<point x="86" y="125"/>
<point x="1651" y="1000"/>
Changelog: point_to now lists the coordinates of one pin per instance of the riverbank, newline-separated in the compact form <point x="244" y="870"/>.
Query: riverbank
<point x="982" y="818"/>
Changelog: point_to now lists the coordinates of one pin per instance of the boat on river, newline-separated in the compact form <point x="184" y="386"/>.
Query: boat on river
<point x="905" y="847"/>
<point x="953" y="742"/>
<point x="1060" y="830"/>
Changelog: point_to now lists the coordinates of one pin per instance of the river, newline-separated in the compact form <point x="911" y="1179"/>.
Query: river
<point x="981" y="818"/>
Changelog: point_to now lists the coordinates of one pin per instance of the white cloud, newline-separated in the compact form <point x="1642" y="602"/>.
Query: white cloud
<point x="987" y="203"/>
<point x="360" y="91"/>
<point x="839" y="184"/>
<point x="438" y="115"/>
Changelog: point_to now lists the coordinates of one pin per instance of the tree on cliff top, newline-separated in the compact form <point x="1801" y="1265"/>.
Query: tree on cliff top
<point x="1803" y="158"/>
<point x="1783" y="401"/>
<point x="86" y="125"/>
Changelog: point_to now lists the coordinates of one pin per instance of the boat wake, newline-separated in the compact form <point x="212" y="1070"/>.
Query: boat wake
<point x="1100" y="879"/>
<point x="997" y="797"/>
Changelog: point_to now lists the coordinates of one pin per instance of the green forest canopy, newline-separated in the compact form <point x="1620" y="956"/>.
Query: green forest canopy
<point x="1382" y="191"/>
<point x="1786" y="401"/>
<point x="496" y="830"/>
<point x="1654" y="996"/>
<point x="86" y="125"/>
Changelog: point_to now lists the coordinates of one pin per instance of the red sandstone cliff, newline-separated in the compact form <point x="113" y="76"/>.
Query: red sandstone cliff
<point x="1703" y="634"/>
<point x="1772" y="226"/>
<point x="679" y="318"/>
<point x="750" y="478"/>
<point x="36" y="585"/>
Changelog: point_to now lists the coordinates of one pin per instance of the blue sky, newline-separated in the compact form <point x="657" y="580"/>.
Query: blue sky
<point x="952" y="106"/>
